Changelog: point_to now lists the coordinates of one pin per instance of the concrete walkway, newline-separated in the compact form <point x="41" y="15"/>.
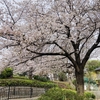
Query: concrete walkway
<point x="97" y="94"/>
<point x="34" y="98"/>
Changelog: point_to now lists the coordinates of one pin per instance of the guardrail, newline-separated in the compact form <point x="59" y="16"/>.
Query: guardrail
<point x="13" y="92"/>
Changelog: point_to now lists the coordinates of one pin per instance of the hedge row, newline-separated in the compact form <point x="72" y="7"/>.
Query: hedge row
<point x="65" y="94"/>
<point x="25" y="82"/>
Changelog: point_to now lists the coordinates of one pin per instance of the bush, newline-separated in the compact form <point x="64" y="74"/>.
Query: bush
<point x="22" y="74"/>
<point x="7" y="73"/>
<point x="41" y="78"/>
<point x="70" y="94"/>
<point x="62" y="76"/>
<point x="65" y="94"/>
<point x="53" y="94"/>
<point x="89" y="95"/>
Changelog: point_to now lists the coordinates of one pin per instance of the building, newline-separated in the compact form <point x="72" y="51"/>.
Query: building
<point x="97" y="70"/>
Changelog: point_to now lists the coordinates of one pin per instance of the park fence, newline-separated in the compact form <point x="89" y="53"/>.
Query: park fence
<point x="13" y="92"/>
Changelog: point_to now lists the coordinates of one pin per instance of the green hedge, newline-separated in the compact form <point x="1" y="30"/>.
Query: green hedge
<point x="25" y="82"/>
<point x="65" y="94"/>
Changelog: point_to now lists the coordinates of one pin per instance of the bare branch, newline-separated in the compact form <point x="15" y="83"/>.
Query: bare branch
<point x="9" y="12"/>
<point x="22" y="11"/>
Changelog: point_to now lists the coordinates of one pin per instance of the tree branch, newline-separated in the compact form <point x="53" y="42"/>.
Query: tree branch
<point x="22" y="11"/>
<point x="9" y="12"/>
<point x="54" y="54"/>
<point x="94" y="46"/>
<point x="10" y="45"/>
<point x="44" y="54"/>
<point x="87" y="38"/>
<point x="21" y="62"/>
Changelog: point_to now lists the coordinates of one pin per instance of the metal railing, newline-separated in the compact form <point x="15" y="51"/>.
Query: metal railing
<point x="12" y="92"/>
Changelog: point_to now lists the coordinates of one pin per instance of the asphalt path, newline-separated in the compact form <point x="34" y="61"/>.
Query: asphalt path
<point x="34" y="98"/>
<point x="97" y="94"/>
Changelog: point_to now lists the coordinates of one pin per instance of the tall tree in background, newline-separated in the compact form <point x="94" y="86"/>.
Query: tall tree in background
<point x="67" y="29"/>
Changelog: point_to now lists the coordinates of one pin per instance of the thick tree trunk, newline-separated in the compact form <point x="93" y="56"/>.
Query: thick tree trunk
<point x="80" y="82"/>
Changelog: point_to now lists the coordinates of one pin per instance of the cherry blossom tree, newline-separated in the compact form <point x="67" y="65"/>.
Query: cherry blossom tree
<point x="66" y="29"/>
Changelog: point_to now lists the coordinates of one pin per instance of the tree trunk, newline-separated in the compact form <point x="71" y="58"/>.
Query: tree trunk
<point x="80" y="81"/>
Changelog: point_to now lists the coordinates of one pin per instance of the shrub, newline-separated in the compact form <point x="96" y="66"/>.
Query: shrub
<point x="22" y="74"/>
<point x="69" y="93"/>
<point x="41" y="78"/>
<point x="7" y="73"/>
<point x="62" y="76"/>
<point x="53" y="94"/>
<point x="65" y="94"/>
<point x="89" y="95"/>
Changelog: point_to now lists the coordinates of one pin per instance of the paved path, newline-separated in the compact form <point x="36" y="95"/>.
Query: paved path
<point x="97" y="94"/>
<point x="34" y="98"/>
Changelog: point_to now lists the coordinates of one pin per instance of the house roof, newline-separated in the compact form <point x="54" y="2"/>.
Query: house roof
<point x="97" y="69"/>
